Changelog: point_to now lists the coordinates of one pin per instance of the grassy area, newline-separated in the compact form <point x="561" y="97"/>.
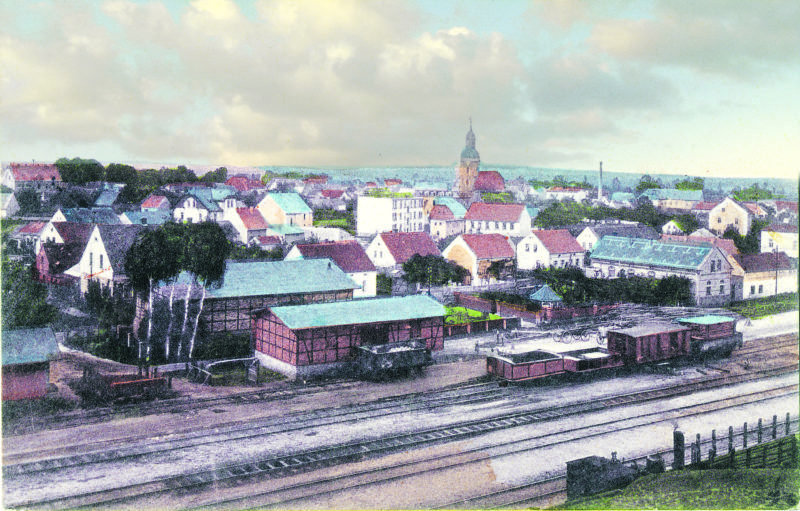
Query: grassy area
<point x="762" y="307"/>
<point x="13" y="411"/>
<point x="385" y="192"/>
<point x="336" y="222"/>
<point x="706" y="489"/>
<point x="460" y="315"/>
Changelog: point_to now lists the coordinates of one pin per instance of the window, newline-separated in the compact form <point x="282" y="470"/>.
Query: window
<point x="752" y="290"/>
<point x="535" y="247"/>
<point x="91" y="262"/>
<point x="760" y="288"/>
<point x="719" y="220"/>
<point x="101" y="261"/>
<point x="736" y="221"/>
<point x="708" y="290"/>
<point x="527" y="248"/>
<point x="722" y="289"/>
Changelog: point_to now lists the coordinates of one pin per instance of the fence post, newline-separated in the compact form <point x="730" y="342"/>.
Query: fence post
<point x="759" y="430"/>
<point x="714" y="440"/>
<point x="744" y="436"/>
<point x="732" y="457"/>
<point x="730" y="438"/>
<point x="678" y="450"/>
<point x="788" y="424"/>
<point x="774" y="427"/>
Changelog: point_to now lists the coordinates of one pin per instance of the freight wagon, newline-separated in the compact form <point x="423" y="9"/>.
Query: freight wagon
<point x="648" y="343"/>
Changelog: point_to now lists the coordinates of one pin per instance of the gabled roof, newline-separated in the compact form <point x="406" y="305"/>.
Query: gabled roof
<point x="735" y="202"/>
<point x="558" y="241"/>
<point x="35" y="171"/>
<point x="456" y="207"/>
<point x="705" y="205"/>
<point x="724" y="244"/>
<point x="702" y="232"/>
<point x="392" y="182"/>
<point x="149" y="216"/>
<point x="274" y="278"/>
<point x="93" y="215"/>
<point x="107" y="196"/>
<point x="354" y="312"/>
<point x="495" y="212"/>
<point x="765" y="261"/>
<point x="62" y="256"/>
<point x="348" y="255"/>
<point x="489" y="246"/>
<point x="623" y="197"/>
<point x="28" y="346"/>
<point x="117" y="239"/>
<point x="673" y="194"/>
<point x="441" y="212"/>
<point x="332" y="194"/>
<point x="489" y="181"/>
<point x="782" y="228"/>
<point x="252" y="218"/>
<point x="244" y="183"/>
<point x="32" y="228"/>
<point x="652" y="252"/>
<point x="403" y="245"/>
<point x="269" y="240"/>
<point x="781" y="205"/>
<point x="627" y="230"/>
<point x="73" y="232"/>
<point x="290" y="203"/>
<point x="753" y="207"/>
<point x="155" y="202"/>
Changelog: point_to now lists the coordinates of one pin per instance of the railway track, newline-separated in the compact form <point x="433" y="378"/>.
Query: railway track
<point x="299" y="462"/>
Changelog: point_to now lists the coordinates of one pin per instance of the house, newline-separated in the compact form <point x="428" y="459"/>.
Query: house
<point x="458" y="209"/>
<point x="561" y="193"/>
<point x="549" y="248"/>
<point x="103" y="258"/>
<point x="705" y="266"/>
<point x="389" y="182"/>
<point x="66" y="232"/>
<point x="286" y="209"/>
<point x="702" y="209"/>
<point x="26" y="237"/>
<point x="248" y="286"/>
<point x="199" y="204"/>
<point x="107" y="195"/>
<point x="671" y="227"/>
<point x="27" y="354"/>
<point x="756" y="210"/>
<point x="54" y="259"/>
<point x="349" y="256"/>
<point x="672" y="200"/>
<point x="702" y="233"/>
<point x="489" y="181"/>
<point x="305" y="341"/>
<point x="622" y="200"/>
<point x="443" y="223"/>
<point x="477" y="253"/>
<point x="248" y="222"/>
<point x="8" y="205"/>
<point x="35" y="176"/>
<point x="86" y="216"/>
<point x="329" y="198"/>
<point x="155" y="202"/>
<point x="398" y="212"/>
<point x="726" y="246"/>
<point x="767" y="274"/>
<point x="591" y="234"/>
<point x="730" y="213"/>
<point x="429" y="189"/>
<point x="266" y="242"/>
<point x="785" y="211"/>
<point x="288" y="234"/>
<point x="283" y="185"/>
<point x="506" y="219"/>
<point x="389" y="250"/>
<point x="781" y="237"/>
<point x="146" y="217"/>
<point x="244" y="184"/>
<point x="320" y="234"/>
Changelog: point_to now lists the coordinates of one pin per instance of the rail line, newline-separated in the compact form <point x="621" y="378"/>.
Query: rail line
<point x="333" y="455"/>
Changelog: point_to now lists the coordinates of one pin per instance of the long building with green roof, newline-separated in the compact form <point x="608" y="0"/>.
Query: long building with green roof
<point x="706" y="266"/>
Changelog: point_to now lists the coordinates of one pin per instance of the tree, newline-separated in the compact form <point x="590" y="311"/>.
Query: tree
<point x="750" y="243"/>
<point x="24" y="300"/>
<point x="215" y="176"/>
<point x="155" y="256"/>
<point x="432" y="270"/>
<point x="646" y="183"/>
<point x="79" y="171"/>
<point x="753" y="193"/>
<point x="206" y="249"/>
<point x="29" y="202"/>
<point x="687" y="223"/>
<point x="696" y="183"/>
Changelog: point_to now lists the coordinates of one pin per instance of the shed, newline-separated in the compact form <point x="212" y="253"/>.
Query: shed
<point x="27" y="354"/>
<point x="545" y="296"/>
<point x="310" y="340"/>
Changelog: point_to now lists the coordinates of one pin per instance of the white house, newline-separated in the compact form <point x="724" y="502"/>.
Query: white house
<point x="506" y="219"/>
<point x="671" y="228"/>
<point x="103" y="259"/>
<point x="781" y="238"/>
<point x="384" y="214"/>
<point x="730" y="213"/>
<point x="349" y="256"/>
<point x="549" y="248"/>
<point x="389" y="250"/>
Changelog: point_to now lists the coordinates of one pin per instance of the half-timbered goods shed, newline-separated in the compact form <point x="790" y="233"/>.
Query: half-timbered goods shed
<point x="311" y="340"/>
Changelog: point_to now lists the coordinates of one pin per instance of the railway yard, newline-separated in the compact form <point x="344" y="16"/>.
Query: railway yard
<point x="451" y="438"/>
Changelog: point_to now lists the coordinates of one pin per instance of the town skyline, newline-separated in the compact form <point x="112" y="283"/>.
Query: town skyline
<point x="647" y="87"/>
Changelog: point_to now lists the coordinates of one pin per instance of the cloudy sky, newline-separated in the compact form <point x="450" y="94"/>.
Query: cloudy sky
<point x="700" y="87"/>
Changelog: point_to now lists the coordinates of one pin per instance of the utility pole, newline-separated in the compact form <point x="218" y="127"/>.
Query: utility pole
<point x="775" y="251"/>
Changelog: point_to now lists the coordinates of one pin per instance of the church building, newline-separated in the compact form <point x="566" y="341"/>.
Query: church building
<point x="467" y="171"/>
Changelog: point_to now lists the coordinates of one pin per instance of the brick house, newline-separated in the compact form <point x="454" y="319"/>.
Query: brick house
<point x="27" y="354"/>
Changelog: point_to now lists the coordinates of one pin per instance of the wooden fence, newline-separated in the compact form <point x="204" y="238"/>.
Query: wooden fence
<point x="544" y="315"/>
<point x="485" y="325"/>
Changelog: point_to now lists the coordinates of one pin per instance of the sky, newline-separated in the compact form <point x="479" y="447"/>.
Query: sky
<point x="697" y="87"/>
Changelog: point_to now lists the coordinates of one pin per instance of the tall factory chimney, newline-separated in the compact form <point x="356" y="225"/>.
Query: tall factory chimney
<point x="600" y="189"/>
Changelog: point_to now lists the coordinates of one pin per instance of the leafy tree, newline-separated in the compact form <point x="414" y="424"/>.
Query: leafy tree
<point x="80" y="171"/>
<point x="696" y="183"/>
<point x="750" y="243"/>
<point x="432" y="270"/>
<point x="215" y="176"/>
<point x="753" y="193"/>
<point x="121" y="173"/>
<point x="646" y="183"/>
<point x="687" y="223"/>
<point x="155" y="256"/>
<point x="674" y="291"/>
<point x="29" y="202"/>
<point x="206" y="249"/>
<point x="383" y="284"/>
<point x="238" y="251"/>
<point x="24" y="300"/>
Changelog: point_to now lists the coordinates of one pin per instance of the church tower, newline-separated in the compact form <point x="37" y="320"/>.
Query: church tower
<point x="467" y="171"/>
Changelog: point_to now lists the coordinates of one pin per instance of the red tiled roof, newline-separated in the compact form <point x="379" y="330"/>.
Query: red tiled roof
<point x="572" y="189"/>
<point x="348" y="255"/>
<point x="155" y="202"/>
<point x="73" y="232"/>
<point x="371" y="184"/>
<point x="489" y="246"/>
<point x="269" y="240"/>
<point x="316" y="180"/>
<point x="244" y="183"/>
<point x="753" y="207"/>
<point x="782" y="228"/>
<point x="724" y="244"/>
<point x="490" y="181"/>
<point x="32" y="228"/>
<point x="705" y="206"/>
<point x="35" y="171"/>
<point x="403" y="245"/>
<point x="558" y="241"/>
<point x="765" y="261"/>
<point x="441" y="212"/>
<point x="392" y="182"/>
<point x="781" y="205"/>
<point x="251" y="218"/>
<point x="332" y="194"/>
<point x="494" y="212"/>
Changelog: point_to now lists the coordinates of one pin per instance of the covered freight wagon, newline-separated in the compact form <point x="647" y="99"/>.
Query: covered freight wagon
<point x="712" y="334"/>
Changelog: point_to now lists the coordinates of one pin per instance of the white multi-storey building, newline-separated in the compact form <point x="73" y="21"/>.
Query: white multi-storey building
<point x="389" y="214"/>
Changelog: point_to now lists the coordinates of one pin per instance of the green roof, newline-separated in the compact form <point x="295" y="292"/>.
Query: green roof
<point x="285" y="229"/>
<point x="374" y="310"/>
<point x="673" y="194"/>
<point x="545" y="294"/>
<point x="28" y="346"/>
<point x="707" y="320"/>
<point x="650" y="252"/>
<point x="290" y="203"/>
<point x="456" y="207"/>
